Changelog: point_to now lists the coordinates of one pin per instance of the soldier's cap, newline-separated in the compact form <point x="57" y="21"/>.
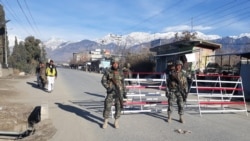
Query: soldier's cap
<point x="127" y="65"/>
<point x="178" y="62"/>
<point x="114" y="60"/>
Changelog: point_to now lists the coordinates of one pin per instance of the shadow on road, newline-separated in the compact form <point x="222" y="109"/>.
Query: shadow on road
<point x="82" y="113"/>
<point x="34" y="85"/>
<point x="162" y="117"/>
<point x="156" y="115"/>
<point x="98" y="95"/>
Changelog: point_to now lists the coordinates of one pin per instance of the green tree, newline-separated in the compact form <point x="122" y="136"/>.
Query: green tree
<point x="27" y="54"/>
<point x="33" y="49"/>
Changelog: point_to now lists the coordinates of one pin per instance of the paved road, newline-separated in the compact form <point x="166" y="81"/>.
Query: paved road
<point x="76" y="104"/>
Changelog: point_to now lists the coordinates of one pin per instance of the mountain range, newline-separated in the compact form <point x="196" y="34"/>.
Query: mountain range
<point x="62" y="50"/>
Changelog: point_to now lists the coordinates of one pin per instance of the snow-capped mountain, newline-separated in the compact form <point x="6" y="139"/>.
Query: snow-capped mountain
<point x="63" y="50"/>
<point x="241" y="35"/>
<point x="136" y="38"/>
<point x="54" y="43"/>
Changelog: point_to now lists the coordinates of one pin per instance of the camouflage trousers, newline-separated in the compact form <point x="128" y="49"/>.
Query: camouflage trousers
<point x="108" y="103"/>
<point x="175" y="96"/>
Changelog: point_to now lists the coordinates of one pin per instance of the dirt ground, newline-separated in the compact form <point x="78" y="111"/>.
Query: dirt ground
<point x="14" y="115"/>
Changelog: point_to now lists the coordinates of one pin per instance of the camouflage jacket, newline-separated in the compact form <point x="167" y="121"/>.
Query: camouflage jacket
<point x="42" y="72"/>
<point x="127" y="72"/>
<point x="111" y="76"/>
<point x="177" y="80"/>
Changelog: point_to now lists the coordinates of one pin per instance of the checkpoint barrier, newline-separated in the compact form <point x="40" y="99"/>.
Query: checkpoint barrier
<point x="214" y="94"/>
<point x="223" y="91"/>
<point x="146" y="94"/>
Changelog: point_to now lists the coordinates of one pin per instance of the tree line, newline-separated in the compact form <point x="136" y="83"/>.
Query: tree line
<point x="27" y="54"/>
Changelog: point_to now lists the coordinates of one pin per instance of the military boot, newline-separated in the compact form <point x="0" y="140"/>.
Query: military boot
<point x="181" y="119"/>
<point x="169" y="117"/>
<point x="116" y="124"/>
<point x="105" y="124"/>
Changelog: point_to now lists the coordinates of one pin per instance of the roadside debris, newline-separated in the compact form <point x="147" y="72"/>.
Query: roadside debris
<point x="181" y="131"/>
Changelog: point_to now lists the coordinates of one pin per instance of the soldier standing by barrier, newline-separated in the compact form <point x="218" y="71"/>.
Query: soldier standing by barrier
<point x="176" y="89"/>
<point x="127" y="74"/>
<point x="113" y="81"/>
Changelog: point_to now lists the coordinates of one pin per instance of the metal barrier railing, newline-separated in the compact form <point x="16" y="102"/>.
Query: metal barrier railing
<point x="219" y="91"/>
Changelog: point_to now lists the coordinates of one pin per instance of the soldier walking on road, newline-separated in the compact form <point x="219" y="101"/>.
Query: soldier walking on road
<point x="176" y="89"/>
<point x="113" y="81"/>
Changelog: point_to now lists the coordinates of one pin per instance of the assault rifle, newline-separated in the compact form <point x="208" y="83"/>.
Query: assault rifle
<point x="181" y="89"/>
<point x="117" y="92"/>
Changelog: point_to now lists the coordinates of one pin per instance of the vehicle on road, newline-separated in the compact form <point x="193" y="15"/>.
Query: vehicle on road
<point x="226" y="69"/>
<point x="212" y="68"/>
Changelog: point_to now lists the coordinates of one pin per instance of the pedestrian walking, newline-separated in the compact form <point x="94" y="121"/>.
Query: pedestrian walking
<point x="38" y="74"/>
<point x="42" y="73"/>
<point x="176" y="89"/>
<point x="113" y="81"/>
<point x="51" y="73"/>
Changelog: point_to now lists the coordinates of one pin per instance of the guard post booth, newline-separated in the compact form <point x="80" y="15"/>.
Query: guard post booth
<point x="191" y="52"/>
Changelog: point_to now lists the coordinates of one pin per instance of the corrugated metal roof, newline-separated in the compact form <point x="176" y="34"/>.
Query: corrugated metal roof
<point x="188" y="43"/>
<point x="241" y="54"/>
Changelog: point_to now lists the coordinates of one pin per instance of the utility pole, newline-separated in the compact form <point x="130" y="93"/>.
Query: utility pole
<point x="3" y="24"/>
<point x="191" y="25"/>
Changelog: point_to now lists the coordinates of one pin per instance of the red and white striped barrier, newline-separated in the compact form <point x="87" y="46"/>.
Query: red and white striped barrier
<point x="219" y="91"/>
<point x="145" y="94"/>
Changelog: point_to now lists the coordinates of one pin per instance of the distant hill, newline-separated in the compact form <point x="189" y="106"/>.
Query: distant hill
<point x="61" y="50"/>
<point x="231" y="44"/>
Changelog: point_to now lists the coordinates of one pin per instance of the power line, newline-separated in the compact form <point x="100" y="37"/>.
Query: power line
<point x="153" y="16"/>
<point x="245" y="15"/>
<point x="206" y="14"/>
<point x="216" y="10"/>
<point x="224" y="16"/>
<point x="26" y="16"/>
<point x="9" y="9"/>
<point x="13" y="14"/>
<point x="31" y="16"/>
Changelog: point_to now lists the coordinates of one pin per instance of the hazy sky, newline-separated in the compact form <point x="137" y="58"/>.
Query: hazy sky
<point x="92" y="19"/>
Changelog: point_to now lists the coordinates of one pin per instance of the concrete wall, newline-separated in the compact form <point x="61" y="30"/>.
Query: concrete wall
<point x="5" y="71"/>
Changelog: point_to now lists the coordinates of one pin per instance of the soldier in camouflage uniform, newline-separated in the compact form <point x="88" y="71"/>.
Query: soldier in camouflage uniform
<point x="127" y="74"/>
<point x="113" y="81"/>
<point x="176" y="89"/>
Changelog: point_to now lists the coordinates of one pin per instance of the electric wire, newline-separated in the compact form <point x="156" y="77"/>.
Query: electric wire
<point x="223" y="17"/>
<point x="32" y="17"/>
<point x="15" y="17"/>
<point x="26" y="17"/>
<point x="151" y="17"/>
